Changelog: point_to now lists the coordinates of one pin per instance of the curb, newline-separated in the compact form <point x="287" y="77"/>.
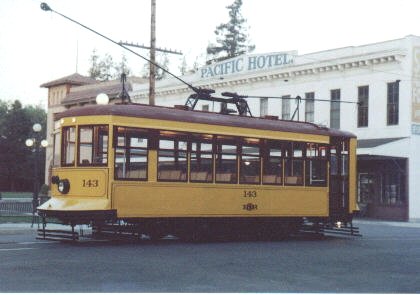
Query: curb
<point x="387" y="223"/>
<point x="27" y="226"/>
<point x="6" y="227"/>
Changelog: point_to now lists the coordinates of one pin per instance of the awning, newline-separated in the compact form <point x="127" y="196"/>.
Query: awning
<point x="396" y="147"/>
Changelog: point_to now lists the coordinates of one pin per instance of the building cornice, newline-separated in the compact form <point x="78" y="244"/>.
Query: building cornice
<point x="300" y="69"/>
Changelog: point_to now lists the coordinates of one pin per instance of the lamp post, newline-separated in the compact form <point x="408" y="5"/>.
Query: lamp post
<point x="36" y="143"/>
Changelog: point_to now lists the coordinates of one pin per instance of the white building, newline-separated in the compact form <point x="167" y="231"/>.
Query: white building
<point x="384" y="76"/>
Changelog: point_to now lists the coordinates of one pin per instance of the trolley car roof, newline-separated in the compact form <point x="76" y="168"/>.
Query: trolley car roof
<point x="201" y="117"/>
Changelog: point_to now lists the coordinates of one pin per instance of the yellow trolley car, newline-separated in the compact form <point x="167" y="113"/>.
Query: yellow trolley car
<point x="177" y="171"/>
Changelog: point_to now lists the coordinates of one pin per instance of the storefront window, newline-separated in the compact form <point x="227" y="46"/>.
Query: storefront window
<point x="391" y="194"/>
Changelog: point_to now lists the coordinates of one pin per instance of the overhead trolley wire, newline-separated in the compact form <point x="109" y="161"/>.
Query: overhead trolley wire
<point x="200" y="92"/>
<point x="46" y="7"/>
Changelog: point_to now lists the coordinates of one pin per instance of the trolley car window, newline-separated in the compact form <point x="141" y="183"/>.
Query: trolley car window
<point x="201" y="159"/>
<point x="344" y="158"/>
<point x="131" y="153"/>
<point x="333" y="161"/>
<point x="68" y="148"/>
<point x="293" y="172"/>
<point x="273" y="163"/>
<point x="250" y="168"/>
<point x="226" y="160"/>
<point x="57" y="149"/>
<point x="316" y="165"/>
<point x="93" y="145"/>
<point x="172" y="157"/>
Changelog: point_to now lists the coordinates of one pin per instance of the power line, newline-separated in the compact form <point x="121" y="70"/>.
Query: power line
<point x="46" y="7"/>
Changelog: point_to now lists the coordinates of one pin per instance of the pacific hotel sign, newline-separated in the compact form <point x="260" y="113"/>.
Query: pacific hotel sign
<point x="247" y="63"/>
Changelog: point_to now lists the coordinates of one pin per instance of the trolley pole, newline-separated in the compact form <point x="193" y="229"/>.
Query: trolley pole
<point x="152" y="73"/>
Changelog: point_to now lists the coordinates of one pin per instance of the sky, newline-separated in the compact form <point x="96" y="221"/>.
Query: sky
<point x="38" y="46"/>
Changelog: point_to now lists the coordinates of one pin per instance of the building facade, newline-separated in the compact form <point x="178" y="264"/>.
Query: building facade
<point x="371" y="90"/>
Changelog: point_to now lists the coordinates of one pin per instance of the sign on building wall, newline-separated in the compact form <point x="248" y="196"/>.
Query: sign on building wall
<point x="416" y="86"/>
<point x="415" y="129"/>
<point x="247" y="63"/>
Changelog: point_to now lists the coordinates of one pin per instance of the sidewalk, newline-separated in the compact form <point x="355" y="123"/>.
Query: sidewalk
<point x="411" y="224"/>
<point x="26" y="227"/>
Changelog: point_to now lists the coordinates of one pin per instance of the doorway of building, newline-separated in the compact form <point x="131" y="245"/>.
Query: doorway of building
<point x="366" y="193"/>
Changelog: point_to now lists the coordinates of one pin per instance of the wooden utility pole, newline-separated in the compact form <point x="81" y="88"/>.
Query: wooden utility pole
<point x="152" y="73"/>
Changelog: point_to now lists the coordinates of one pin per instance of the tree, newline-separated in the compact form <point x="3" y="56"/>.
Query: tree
<point x="16" y="159"/>
<point x="163" y="61"/>
<point x="94" y="70"/>
<point x="121" y="67"/>
<point x="183" y="66"/>
<point x="106" y="66"/>
<point x="105" y="69"/>
<point x="231" y="37"/>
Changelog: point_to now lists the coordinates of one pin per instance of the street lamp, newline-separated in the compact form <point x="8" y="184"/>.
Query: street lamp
<point x="36" y="143"/>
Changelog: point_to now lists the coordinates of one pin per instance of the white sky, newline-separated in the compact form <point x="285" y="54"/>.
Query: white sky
<point x="37" y="46"/>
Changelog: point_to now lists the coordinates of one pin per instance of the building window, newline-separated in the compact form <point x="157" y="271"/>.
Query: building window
<point x="391" y="189"/>
<point x="309" y="106"/>
<point x="335" y="109"/>
<point x="263" y="107"/>
<point x="285" y="107"/>
<point x="363" y="107"/>
<point x="393" y="101"/>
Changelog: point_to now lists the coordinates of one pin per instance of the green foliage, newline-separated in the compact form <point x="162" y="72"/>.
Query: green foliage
<point x="16" y="195"/>
<point x="231" y="37"/>
<point x="16" y="219"/>
<point x="44" y="190"/>
<point x="16" y="159"/>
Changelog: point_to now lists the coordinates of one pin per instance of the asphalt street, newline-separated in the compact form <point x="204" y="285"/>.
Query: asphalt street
<point x="385" y="260"/>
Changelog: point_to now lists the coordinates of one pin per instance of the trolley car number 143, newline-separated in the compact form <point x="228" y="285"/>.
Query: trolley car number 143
<point x="90" y="183"/>
<point x="250" y="194"/>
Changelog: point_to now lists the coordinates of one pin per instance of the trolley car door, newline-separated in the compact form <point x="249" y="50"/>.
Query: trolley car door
<point x="339" y="178"/>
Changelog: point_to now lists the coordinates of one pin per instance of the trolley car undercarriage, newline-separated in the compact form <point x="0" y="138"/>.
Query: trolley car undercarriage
<point x="104" y="225"/>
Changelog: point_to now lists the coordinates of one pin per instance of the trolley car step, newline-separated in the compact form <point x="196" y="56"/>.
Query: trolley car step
<point x="57" y="235"/>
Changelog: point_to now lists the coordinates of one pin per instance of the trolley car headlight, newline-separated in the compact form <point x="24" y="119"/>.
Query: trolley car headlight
<point x="63" y="186"/>
<point x="55" y="179"/>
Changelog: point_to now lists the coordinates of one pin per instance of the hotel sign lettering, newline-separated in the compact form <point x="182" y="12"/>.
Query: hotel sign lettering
<point x="247" y="63"/>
